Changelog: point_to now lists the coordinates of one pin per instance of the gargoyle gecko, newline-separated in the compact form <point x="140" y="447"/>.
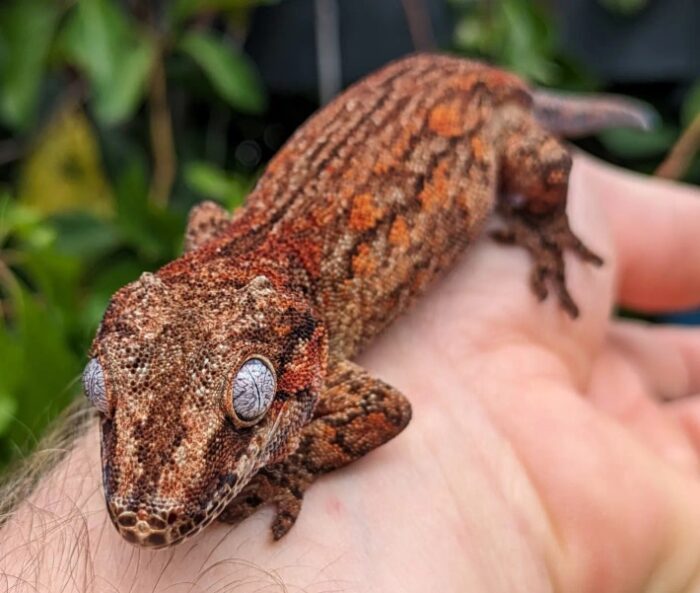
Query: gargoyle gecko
<point x="224" y="380"/>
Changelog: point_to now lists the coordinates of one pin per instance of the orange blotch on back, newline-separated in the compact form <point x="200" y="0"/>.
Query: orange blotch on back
<point x="382" y="166"/>
<point x="398" y="233"/>
<point x="446" y="119"/>
<point x="364" y="213"/>
<point x="396" y="154"/>
<point x="436" y="189"/>
<point x="363" y="262"/>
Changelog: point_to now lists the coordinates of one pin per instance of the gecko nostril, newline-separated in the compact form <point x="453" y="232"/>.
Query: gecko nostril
<point x="156" y="539"/>
<point x="172" y="517"/>
<point x="156" y="522"/>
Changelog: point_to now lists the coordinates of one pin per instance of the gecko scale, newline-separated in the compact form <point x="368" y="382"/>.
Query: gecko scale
<point x="224" y="380"/>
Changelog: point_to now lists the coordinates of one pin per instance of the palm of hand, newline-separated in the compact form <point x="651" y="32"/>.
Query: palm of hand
<point x="539" y="457"/>
<point x="584" y="478"/>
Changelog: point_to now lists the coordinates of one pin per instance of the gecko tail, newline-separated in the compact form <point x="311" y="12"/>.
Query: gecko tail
<point x="572" y="115"/>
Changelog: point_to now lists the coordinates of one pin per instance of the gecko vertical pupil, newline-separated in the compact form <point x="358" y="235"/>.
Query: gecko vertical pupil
<point x="253" y="389"/>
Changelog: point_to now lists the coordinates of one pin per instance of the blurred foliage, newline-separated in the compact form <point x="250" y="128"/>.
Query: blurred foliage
<point x="117" y="115"/>
<point x="519" y="35"/>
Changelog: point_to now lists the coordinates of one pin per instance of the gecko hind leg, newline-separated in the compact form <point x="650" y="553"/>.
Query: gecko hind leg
<point x="355" y="414"/>
<point x="545" y="238"/>
<point x="536" y="166"/>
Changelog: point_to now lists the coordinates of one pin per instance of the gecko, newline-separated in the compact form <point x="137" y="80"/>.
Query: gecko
<point x="224" y="381"/>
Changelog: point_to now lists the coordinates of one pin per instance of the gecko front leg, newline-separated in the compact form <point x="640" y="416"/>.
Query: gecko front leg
<point x="355" y="414"/>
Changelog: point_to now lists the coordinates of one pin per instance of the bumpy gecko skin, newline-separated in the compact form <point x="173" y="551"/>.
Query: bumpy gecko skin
<point x="363" y="207"/>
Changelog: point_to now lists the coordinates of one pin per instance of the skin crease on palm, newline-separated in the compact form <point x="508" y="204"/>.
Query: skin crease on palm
<point x="544" y="454"/>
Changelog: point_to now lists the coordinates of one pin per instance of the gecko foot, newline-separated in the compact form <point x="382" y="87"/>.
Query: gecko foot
<point x="269" y="486"/>
<point x="546" y="237"/>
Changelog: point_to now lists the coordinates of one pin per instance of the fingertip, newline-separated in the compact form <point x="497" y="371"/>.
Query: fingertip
<point x="655" y="229"/>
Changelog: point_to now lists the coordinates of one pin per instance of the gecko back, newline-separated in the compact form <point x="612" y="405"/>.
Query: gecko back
<point x="381" y="190"/>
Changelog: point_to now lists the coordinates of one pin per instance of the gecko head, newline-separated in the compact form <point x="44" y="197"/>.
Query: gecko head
<point x="199" y="383"/>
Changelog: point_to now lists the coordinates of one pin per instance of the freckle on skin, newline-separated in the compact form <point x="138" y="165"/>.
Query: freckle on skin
<point x="334" y="506"/>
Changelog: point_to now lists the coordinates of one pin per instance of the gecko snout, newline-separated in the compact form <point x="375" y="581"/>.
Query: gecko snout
<point x="150" y="529"/>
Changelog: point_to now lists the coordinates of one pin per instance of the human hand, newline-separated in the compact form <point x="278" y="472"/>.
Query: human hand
<point x="544" y="454"/>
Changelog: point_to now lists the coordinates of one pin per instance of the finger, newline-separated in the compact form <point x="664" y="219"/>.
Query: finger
<point x="656" y="232"/>
<point x="667" y="357"/>
<point x="687" y="413"/>
<point x="617" y="389"/>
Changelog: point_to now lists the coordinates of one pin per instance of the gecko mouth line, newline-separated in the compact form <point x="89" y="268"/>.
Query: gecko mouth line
<point x="167" y="526"/>
<point x="152" y="530"/>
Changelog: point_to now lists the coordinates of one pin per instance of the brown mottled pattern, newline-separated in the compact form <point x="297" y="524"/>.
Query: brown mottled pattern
<point x="366" y="203"/>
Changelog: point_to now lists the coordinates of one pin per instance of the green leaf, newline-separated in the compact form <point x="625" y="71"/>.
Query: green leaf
<point x="81" y="235"/>
<point x="8" y="407"/>
<point x="10" y="363"/>
<point x="64" y="172"/>
<point x="153" y="232"/>
<point x="24" y="224"/>
<point x="230" y="72"/>
<point x="638" y="144"/>
<point x="117" y="102"/>
<point x="528" y="47"/>
<point x="46" y="368"/>
<point x="216" y="184"/>
<point x="26" y="32"/>
<point x="113" y="52"/>
<point x="183" y="9"/>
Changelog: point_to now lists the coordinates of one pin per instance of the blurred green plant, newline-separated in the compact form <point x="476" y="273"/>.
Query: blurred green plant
<point x="103" y="109"/>
<point x="519" y="35"/>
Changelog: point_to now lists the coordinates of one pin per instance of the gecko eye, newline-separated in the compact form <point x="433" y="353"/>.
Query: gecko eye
<point x="253" y="389"/>
<point x="94" y="385"/>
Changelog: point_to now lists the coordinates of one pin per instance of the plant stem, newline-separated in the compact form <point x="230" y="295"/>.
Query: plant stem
<point x="419" y="25"/>
<point x="328" y="58"/>
<point x="681" y="155"/>
<point x="161" y="130"/>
